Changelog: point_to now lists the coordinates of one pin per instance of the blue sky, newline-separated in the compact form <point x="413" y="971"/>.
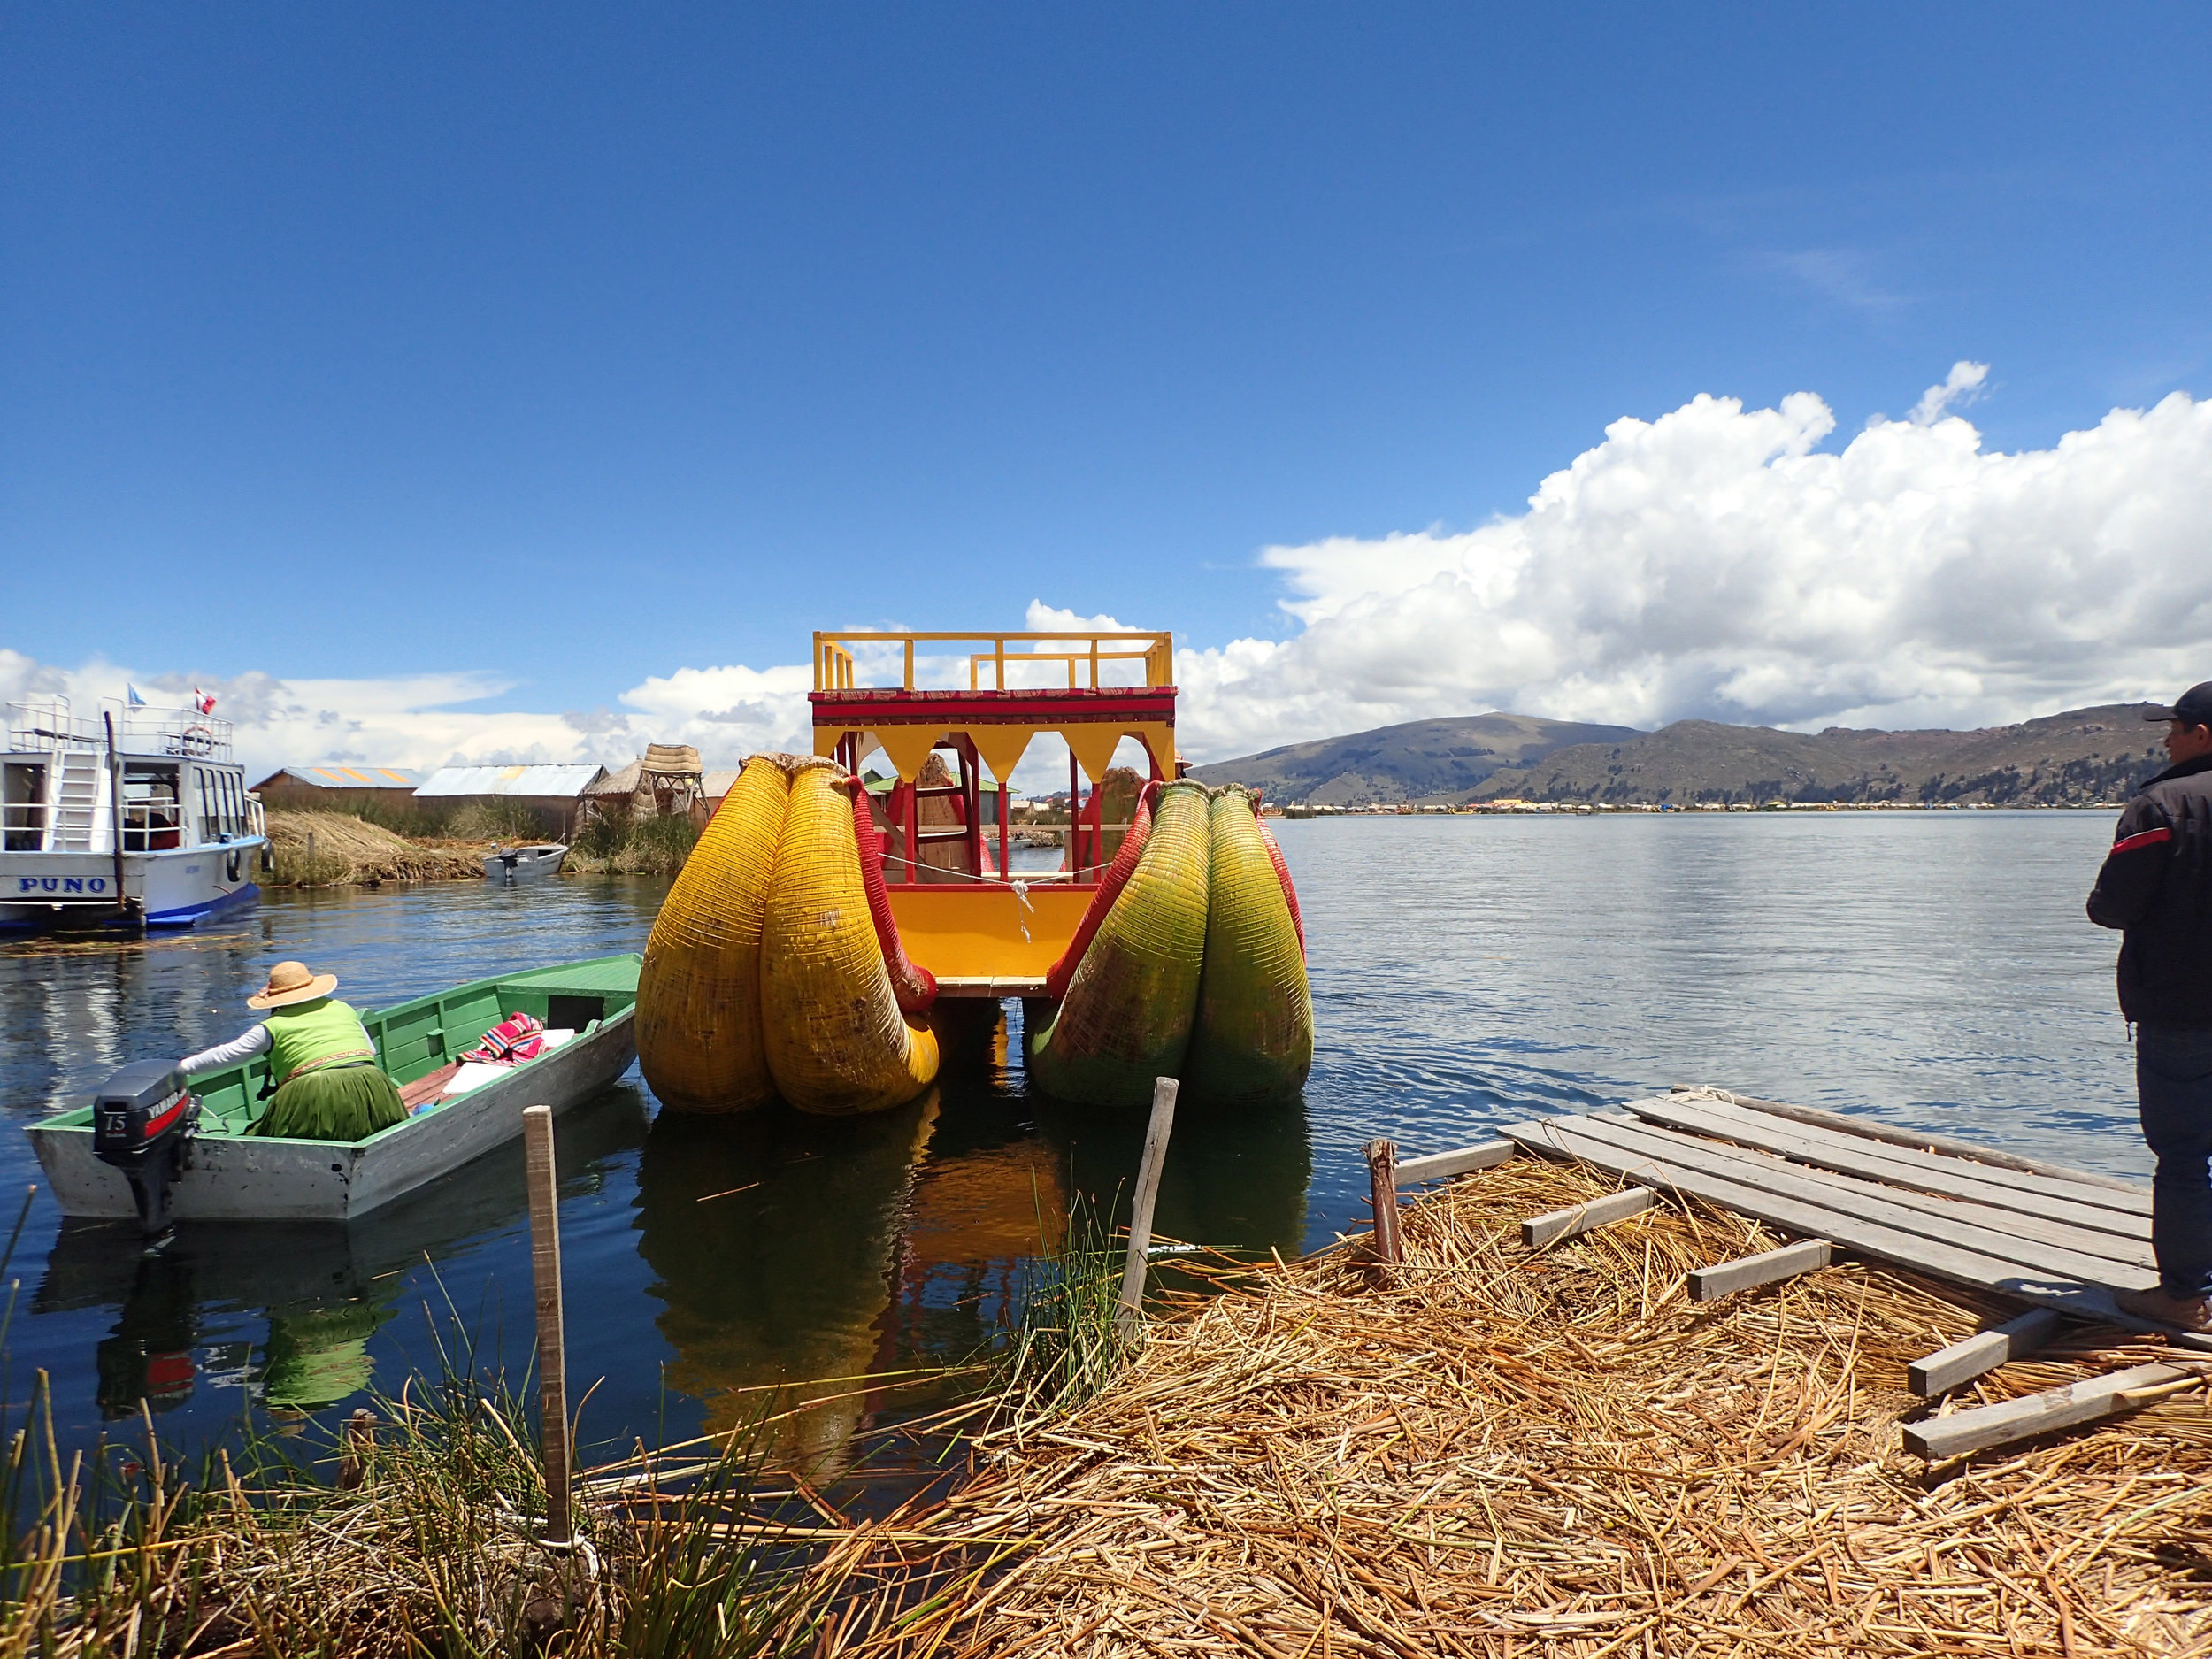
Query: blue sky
<point x="569" y="347"/>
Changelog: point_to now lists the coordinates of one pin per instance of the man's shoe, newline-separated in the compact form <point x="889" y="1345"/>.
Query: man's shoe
<point x="2186" y="1313"/>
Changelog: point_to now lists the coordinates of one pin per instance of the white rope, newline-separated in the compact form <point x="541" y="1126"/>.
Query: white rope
<point x="1042" y="878"/>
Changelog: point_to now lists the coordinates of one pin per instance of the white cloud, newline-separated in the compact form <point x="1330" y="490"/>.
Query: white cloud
<point x="1962" y="386"/>
<point x="1708" y="563"/>
<point x="1711" y="564"/>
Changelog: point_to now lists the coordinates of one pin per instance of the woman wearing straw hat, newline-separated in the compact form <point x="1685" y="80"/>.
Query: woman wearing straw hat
<point x="329" y="1087"/>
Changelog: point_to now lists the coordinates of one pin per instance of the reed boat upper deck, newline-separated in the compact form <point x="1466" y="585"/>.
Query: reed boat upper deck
<point x="981" y="928"/>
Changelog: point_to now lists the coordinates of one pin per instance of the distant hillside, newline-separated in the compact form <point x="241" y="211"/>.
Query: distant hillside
<point x="2071" y="759"/>
<point x="1424" y="760"/>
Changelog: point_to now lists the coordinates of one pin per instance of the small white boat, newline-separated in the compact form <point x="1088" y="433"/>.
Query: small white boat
<point x="511" y="864"/>
<point x="139" y="818"/>
<point x="197" y="1150"/>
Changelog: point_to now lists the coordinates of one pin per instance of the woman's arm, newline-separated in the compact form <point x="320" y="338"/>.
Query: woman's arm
<point x="255" y="1042"/>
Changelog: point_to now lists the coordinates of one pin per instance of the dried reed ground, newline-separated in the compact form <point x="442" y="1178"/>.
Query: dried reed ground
<point x="350" y="850"/>
<point x="1508" y="1453"/>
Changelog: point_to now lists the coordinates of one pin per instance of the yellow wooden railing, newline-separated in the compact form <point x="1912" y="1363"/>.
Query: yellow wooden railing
<point x="833" y="669"/>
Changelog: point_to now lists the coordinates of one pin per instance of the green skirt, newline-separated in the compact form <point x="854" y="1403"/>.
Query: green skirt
<point x="342" y="1103"/>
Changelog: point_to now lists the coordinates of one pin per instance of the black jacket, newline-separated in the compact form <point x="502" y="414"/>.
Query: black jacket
<point x="2156" y="884"/>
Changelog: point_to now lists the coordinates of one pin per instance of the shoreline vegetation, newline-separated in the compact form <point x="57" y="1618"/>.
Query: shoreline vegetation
<point x="335" y="849"/>
<point x="1606" y="808"/>
<point x="1480" y="1449"/>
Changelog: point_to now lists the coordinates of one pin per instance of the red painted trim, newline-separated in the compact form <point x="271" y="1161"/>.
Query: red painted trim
<point x="991" y="707"/>
<point x="1117" y="874"/>
<point x="155" y="1126"/>
<point x="2148" y="838"/>
<point x="914" y="986"/>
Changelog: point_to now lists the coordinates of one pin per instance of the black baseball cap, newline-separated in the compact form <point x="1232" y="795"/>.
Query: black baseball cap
<point x="2193" y="707"/>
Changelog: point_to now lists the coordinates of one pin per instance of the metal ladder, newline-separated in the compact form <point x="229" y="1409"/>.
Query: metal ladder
<point x="76" y="794"/>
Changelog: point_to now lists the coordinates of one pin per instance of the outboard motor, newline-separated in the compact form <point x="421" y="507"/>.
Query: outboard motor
<point x="143" y="1119"/>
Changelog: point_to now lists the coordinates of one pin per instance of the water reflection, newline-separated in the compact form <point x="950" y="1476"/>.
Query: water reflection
<point x="1235" y="1179"/>
<point x="324" y="1288"/>
<point x="773" y="1239"/>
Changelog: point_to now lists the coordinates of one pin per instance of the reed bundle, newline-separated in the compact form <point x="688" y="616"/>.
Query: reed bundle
<point x="1501" y="1452"/>
<point x="345" y="849"/>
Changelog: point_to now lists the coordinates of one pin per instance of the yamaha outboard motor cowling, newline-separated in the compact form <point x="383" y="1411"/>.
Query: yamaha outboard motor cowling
<point x="143" y="1119"/>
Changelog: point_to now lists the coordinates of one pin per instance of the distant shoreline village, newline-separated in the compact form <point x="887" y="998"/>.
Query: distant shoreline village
<point x="643" y="818"/>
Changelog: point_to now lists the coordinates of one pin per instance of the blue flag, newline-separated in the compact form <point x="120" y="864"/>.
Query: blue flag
<point x="137" y="701"/>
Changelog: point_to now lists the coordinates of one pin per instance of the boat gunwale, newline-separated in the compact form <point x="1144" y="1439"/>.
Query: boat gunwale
<point x="79" y="1117"/>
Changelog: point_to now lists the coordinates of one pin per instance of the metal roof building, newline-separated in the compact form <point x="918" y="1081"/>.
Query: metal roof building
<point x="563" y="783"/>
<point x="342" y="774"/>
<point x="338" y="784"/>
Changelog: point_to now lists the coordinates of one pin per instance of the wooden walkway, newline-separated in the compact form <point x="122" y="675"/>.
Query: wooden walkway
<point x="2061" y="1238"/>
<point x="2056" y="1239"/>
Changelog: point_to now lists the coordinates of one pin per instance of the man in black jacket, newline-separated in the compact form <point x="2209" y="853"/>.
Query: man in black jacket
<point x="2156" y="886"/>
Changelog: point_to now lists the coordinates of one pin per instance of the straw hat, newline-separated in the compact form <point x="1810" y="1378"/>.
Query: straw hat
<point x="290" y="982"/>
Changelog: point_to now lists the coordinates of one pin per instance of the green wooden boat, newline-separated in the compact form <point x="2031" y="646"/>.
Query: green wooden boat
<point x="228" y="1173"/>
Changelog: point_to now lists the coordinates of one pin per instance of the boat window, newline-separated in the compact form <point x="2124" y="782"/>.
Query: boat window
<point x="22" y="807"/>
<point x="153" y="807"/>
<point x="233" y="808"/>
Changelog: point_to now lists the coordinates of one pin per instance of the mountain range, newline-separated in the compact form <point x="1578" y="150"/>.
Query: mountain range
<point x="2075" y="758"/>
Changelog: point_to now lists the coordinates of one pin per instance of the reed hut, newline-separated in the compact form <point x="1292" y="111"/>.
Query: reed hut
<point x="665" y="781"/>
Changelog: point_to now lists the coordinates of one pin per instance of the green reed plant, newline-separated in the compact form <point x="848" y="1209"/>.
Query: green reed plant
<point x="496" y="818"/>
<point x="616" y="844"/>
<point x="417" y="1529"/>
<point x="1066" y="1347"/>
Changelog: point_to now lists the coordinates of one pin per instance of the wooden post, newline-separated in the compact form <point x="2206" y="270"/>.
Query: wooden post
<point x="1130" y="1318"/>
<point x="545" y="1272"/>
<point x="1382" y="1183"/>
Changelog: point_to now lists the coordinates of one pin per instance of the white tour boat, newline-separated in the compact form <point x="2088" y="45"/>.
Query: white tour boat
<point x="138" y="818"/>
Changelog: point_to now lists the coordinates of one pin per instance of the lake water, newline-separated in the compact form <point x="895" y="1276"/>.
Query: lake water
<point x="1933" y="969"/>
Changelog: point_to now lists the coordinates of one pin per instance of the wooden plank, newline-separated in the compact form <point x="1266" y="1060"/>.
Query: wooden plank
<point x="1482" y="1155"/>
<point x="1539" y="1231"/>
<point x="1746" y="1273"/>
<point x="1936" y="1438"/>
<point x="1869" y="1128"/>
<point x="1561" y="1138"/>
<point x="1854" y="1155"/>
<point x="983" y="986"/>
<point x="2126" y="1241"/>
<point x="1969" y="1357"/>
<point x="1565" y="1138"/>
<point x="1956" y="1225"/>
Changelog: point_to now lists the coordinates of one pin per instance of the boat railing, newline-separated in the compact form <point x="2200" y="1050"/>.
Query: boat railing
<point x="23" y="826"/>
<point x="183" y="734"/>
<point x="48" y="728"/>
<point x="1083" y="655"/>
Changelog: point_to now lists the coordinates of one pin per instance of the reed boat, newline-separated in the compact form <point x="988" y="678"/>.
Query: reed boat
<point x="221" y="1171"/>
<point x="832" y="916"/>
<point x="139" y="818"/>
